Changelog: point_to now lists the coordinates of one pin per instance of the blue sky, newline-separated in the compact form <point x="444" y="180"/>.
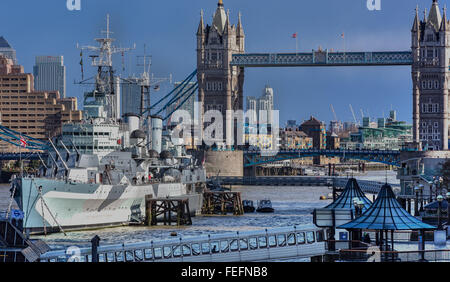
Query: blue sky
<point x="46" y="27"/>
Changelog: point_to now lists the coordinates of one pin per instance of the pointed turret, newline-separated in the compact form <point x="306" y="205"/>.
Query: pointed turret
<point x="201" y="25"/>
<point x="220" y="18"/>
<point x="416" y="25"/>
<point x="240" y="29"/>
<point x="227" y="27"/>
<point x="434" y="18"/>
<point x="444" y="20"/>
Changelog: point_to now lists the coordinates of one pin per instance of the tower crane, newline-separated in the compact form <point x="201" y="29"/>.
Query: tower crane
<point x="334" y="113"/>
<point x="353" y="113"/>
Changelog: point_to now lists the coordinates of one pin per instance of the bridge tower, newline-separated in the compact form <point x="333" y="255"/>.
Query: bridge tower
<point x="430" y="75"/>
<point x="220" y="85"/>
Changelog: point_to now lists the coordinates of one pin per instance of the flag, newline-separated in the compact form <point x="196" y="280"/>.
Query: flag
<point x="343" y="35"/>
<point x="23" y="142"/>
<point x="294" y="35"/>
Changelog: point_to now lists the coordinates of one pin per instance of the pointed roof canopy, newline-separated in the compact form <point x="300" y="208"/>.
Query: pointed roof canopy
<point x="435" y="205"/>
<point x="4" y="43"/>
<point x="386" y="214"/>
<point x="434" y="18"/>
<point x="345" y="200"/>
<point x="220" y="18"/>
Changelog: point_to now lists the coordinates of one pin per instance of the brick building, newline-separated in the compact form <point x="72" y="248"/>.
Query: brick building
<point x="38" y="114"/>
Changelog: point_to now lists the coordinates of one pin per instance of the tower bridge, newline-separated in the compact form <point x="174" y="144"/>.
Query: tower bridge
<point x="221" y="61"/>
<point x="323" y="58"/>
<point x="388" y="157"/>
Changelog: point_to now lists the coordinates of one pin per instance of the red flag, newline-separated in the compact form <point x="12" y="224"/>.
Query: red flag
<point x="23" y="142"/>
<point x="294" y="35"/>
<point x="343" y="35"/>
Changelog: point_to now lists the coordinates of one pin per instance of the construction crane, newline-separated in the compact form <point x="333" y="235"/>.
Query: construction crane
<point x="353" y="113"/>
<point x="334" y="113"/>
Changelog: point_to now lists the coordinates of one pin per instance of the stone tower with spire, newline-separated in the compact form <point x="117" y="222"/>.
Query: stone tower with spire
<point x="430" y="74"/>
<point x="220" y="85"/>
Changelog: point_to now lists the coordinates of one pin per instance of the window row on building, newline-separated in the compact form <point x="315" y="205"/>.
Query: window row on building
<point x="214" y="86"/>
<point x="430" y="84"/>
<point x="425" y="137"/>
<point x="430" y="108"/>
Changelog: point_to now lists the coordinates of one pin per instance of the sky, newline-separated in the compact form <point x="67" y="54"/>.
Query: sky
<point x="168" y="28"/>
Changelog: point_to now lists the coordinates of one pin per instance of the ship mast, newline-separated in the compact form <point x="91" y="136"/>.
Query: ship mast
<point x="105" y="78"/>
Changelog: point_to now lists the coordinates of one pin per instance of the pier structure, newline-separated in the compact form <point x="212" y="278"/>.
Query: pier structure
<point x="167" y="211"/>
<point x="221" y="202"/>
<point x="14" y="245"/>
<point x="385" y="216"/>
<point x="351" y="203"/>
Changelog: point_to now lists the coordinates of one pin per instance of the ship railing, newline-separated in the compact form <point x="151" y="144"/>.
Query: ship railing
<point x="3" y="215"/>
<point x="246" y="246"/>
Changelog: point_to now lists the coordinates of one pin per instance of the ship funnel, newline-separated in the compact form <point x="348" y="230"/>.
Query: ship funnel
<point x="157" y="126"/>
<point x="133" y="121"/>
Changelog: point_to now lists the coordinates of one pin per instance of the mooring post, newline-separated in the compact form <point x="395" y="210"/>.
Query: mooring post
<point x="148" y="210"/>
<point x="95" y="243"/>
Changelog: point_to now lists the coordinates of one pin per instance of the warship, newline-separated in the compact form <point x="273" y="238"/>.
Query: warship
<point x="99" y="170"/>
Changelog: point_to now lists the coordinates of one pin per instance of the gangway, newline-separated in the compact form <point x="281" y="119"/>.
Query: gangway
<point x="264" y="245"/>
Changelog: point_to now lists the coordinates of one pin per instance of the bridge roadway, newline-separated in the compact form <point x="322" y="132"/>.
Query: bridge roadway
<point x="18" y="156"/>
<point x="323" y="58"/>
<point x="270" y="244"/>
<point x="388" y="157"/>
<point x="371" y="187"/>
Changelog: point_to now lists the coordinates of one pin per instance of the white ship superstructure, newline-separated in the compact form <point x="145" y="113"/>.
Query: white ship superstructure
<point x="99" y="171"/>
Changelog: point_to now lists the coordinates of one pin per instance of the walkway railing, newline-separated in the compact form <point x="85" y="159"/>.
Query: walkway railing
<point x="279" y="243"/>
<point x="394" y="256"/>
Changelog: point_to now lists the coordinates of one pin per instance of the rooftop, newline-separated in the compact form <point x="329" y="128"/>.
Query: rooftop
<point x="345" y="200"/>
<point x="4" y="43"/>
<point x="386" y="214"/>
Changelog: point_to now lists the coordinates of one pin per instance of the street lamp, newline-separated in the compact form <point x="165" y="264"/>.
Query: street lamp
<point x="360" y="205"/>
<point x="439" y="199"/>
<point x="421" y="197"/>
<point x="355" y="204"/>
<point x="416" y="202"/>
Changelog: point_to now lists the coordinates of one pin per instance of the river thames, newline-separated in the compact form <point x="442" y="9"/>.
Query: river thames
<point x="293" y="206"/>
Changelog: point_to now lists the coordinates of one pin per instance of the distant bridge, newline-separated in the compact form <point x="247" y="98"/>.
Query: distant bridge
<point x="367" y="186"/>
<point x="388" y="157"/>
<point x="323" y="59"/>
<point x="21" y="156"/>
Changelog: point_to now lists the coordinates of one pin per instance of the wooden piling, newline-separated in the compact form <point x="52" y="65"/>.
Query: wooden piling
<point x="165" y="210"/>
<point x="222" y="203"/>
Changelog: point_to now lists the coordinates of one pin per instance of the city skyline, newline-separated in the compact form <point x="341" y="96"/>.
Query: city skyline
<point x="293" y="84"/>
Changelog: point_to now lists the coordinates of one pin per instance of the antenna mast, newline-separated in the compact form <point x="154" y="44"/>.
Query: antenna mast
<point x="105" y="78"/>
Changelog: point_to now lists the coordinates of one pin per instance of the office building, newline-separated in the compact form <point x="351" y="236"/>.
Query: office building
<point x="50" y="74"/>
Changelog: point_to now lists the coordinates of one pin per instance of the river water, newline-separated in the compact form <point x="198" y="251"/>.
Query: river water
<point x="293" y="206"/>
